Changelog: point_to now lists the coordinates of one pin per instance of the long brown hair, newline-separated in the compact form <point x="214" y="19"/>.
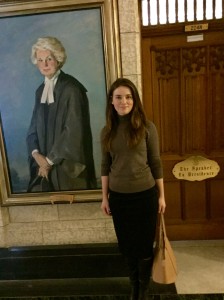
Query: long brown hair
<point x="138" y="120"/>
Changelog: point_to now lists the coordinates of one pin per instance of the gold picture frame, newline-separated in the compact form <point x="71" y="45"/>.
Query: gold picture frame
<point x="30" y="14"/>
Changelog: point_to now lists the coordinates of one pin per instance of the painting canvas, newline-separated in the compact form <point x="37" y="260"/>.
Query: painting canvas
<point x="81" y="32"/>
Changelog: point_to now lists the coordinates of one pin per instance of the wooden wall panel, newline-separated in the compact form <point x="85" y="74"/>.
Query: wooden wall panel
<point x="169" y="112"/>
<point x="166" y="98"/>
<point x="216" y="112"/>
<point x="217" y="200"/>
<point x="194" y="113"/>
<point x="173" y="199"/>
<point x="195" y="201"/>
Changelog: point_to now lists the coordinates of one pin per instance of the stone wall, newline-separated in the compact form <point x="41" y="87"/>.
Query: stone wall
<point x="77" y="223"/>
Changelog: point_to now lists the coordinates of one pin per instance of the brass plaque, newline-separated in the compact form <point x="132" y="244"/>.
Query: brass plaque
<point x="196" y="168"/>
<point x="196" y="27"/>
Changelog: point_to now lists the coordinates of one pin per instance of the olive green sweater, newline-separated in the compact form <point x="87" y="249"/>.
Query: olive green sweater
<point x="134" y="169"/>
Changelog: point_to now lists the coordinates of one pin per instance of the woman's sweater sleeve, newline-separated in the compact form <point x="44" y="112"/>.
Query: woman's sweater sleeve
<point x="105" y="159"/>
<point x="153" y="151"/>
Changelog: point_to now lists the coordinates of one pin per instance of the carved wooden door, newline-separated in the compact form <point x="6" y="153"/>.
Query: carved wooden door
<point x="183" y="93"/>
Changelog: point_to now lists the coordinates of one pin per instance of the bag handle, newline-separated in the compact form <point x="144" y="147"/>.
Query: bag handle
<point x="161" y="231"/>
<point x="163" y="227"/>
<point x="162" y="234"/>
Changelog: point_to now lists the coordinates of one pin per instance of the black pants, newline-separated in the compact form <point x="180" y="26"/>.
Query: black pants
<point x="135" y="216"/>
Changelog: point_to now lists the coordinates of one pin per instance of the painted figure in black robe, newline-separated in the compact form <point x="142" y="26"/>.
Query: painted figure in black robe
<point x="59" y="138"/>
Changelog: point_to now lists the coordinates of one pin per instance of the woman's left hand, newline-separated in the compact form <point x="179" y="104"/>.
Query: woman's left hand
<point x="162" y="205"/>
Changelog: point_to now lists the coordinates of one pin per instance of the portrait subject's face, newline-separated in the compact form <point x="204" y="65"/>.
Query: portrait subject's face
<point x="122" y="100"/>
<point x="46" y="63"/>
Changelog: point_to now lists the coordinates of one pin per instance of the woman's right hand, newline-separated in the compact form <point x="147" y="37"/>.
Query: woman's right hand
<point x="105" y="207"/>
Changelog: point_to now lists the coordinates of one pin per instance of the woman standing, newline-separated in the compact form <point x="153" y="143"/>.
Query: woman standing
<point x="132" y="180"/>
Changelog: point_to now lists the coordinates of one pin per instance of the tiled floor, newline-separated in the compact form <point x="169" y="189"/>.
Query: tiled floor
<point x="201" y="266"/>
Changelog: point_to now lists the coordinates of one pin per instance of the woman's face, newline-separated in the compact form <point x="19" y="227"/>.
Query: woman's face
<point x="122" y="100"/>
<point x="46" y="63"/>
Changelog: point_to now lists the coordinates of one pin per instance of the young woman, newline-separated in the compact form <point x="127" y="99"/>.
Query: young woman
<point x="132" y="180"/>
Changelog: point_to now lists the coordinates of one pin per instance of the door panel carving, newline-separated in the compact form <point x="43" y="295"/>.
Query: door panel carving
<point x="183" y="93"/>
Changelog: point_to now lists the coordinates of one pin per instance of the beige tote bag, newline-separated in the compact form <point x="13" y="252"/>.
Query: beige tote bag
<point x="164" y="268"/>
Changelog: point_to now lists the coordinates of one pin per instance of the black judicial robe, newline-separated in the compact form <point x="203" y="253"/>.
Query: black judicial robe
<point x="61" y="131"/>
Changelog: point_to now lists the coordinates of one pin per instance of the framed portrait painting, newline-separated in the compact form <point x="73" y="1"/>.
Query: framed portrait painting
<point x="88" y="34"/>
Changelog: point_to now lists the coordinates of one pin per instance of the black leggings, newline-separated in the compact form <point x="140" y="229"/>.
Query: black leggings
<point x="135" y="216"/>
